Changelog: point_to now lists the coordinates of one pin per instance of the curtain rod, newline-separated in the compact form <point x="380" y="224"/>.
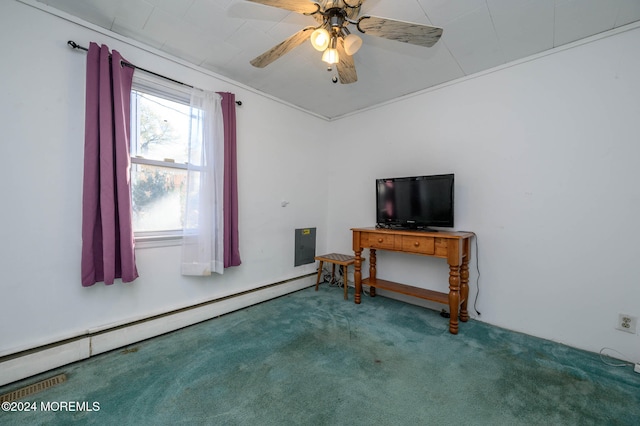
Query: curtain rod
<point x="75" y="45"/>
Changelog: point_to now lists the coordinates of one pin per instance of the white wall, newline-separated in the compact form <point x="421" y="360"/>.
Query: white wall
<point x="545" y="154"/>
<point x="42" y="122"/>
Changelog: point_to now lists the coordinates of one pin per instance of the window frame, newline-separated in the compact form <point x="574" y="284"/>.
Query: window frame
<point x="171" y="92"/>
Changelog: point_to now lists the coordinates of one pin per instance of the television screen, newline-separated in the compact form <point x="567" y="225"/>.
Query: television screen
<point x="415" y="202"/>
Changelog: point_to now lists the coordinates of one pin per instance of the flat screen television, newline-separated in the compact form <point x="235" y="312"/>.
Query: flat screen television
<point x="416" y="202"/>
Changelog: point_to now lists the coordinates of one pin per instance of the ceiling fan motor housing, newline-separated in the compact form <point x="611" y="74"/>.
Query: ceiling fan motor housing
<point x="336" y="20"/>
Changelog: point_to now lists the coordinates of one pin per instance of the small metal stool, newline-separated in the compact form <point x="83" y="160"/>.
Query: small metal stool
<point x="335" y="259"/>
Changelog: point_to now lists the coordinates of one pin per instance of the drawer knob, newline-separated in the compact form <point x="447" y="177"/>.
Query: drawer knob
<point x="380" y="240"/>
<point x="416" y="244"/>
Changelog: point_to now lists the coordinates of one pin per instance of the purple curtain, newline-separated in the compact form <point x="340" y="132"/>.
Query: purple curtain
<point x="231" y="247"/>
<point x="107" y="232"/>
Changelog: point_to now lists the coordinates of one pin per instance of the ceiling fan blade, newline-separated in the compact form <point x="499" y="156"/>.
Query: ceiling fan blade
<point x="300" y="6"/>
<point x="277" y="51"/>
<point x="345" y="66"/>
<point x="406" y="32"/>
<point x="353" y="8"/>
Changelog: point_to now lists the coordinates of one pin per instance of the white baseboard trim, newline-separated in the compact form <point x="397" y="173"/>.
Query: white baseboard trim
<point x="44" y="360"/>
<point x="38" y="360"/>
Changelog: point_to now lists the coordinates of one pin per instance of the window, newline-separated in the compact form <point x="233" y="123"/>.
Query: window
<point x="160" y="118"/>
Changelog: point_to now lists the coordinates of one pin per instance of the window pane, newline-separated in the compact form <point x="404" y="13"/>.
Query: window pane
<point x="160" y="128"/>
<point x="158" y="197"/>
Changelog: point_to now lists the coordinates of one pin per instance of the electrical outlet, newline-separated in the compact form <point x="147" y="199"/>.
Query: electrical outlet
<point x="627" y="323"/>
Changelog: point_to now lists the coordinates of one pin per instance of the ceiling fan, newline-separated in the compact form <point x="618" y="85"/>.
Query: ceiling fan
<point x="332" y="35"/>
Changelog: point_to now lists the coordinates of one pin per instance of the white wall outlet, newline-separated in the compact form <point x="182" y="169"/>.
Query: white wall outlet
<point x="627" y="323"/>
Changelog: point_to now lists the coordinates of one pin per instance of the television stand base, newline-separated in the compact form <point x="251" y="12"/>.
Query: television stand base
<point x="454" y="247"/>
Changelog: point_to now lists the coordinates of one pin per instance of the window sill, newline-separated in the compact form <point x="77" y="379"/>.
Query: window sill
<point x="158" y="240"/>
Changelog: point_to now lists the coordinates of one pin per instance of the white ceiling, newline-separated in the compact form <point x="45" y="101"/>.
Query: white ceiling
<point x="224" y="35"/>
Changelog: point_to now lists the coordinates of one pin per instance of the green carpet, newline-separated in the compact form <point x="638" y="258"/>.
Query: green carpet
<point x="311" y="358"/>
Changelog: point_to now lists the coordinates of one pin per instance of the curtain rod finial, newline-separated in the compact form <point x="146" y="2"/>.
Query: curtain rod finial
<point x="75" y="45"/>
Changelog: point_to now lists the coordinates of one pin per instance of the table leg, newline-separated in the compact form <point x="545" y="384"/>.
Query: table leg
<point x="454" y="297"/>
<point x="464" y="282"/>
<point x="319" y="275"/>
<point x="357" y="276"/>
<point x="372" y="272"/>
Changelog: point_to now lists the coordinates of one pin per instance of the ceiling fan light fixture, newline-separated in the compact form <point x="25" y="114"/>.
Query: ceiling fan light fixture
<point x="320" y="39"/>
<point x="330" y="56"/>
<point x="352" y="44"/>
<point x="331" y="36"/>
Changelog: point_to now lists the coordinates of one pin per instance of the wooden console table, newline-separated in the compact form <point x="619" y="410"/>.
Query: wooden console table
<point x="453" y="246"/>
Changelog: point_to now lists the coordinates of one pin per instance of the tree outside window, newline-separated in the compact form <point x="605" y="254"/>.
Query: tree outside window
<point x="159" y="146"/>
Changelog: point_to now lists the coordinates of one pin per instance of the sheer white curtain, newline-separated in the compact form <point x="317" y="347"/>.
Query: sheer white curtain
<point x="202" y="244"/>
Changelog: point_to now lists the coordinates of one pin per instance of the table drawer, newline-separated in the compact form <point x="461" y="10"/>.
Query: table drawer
<point x="423" y="245"/>
<point x="381" y="241"/>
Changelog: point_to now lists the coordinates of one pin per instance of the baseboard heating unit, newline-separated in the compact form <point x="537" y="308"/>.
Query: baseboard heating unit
<point x="37" y="360"/>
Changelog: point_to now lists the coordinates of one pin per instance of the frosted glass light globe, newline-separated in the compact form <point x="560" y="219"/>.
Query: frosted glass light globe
<point x="352" y="44"/>
<point x="320" y="39"/>
<point x="330" y="56"/>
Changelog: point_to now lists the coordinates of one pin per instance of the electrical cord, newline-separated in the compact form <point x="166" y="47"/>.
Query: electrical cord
<point x="336" y="281"/>
<point x="620" y="364"/>
<point x="475" y="302"/>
